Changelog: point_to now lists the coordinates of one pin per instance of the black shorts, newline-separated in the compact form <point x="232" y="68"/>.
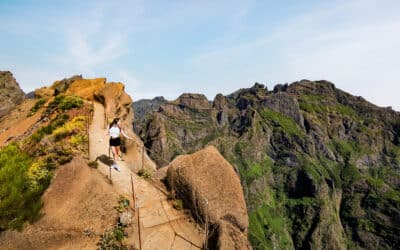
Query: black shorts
<point x="115" y="142"/>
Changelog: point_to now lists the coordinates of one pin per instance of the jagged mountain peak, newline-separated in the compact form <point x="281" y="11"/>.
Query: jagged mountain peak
<point x="306" y="146"/>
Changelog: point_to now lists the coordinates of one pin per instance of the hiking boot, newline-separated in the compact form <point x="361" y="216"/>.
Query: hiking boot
<point x="116" y="167"/>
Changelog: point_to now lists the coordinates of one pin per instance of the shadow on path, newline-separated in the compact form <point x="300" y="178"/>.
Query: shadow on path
<point x="105" y="160"/>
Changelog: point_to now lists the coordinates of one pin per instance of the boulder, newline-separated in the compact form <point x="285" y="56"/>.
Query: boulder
<point x="209" y="186"/>
<point x="11" y="94"/>
<point x="125" y="218"/>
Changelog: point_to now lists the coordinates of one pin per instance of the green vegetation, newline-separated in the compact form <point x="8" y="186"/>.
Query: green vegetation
<point x="37" y="106"/>
<point x="74" y="127"/>
<point x="313" y="104"/>
<point x="47" y="130"/>
<point x="22" y="184"/>
<point x="345" y="110"/>
<point x="304" y="202"/>
<point x="64" y="103"/>
<point x="318" y="104"/>
<point x="123" y="204"/>
<point x="113" y="238"/>
<point x="281" y="120"/>
<point x="350" y="175"/>
<point x="26" y="168"/>
<point x="178" y="204"/>
<point x="254" y="170"/>
<point x="144" y="173"/>
<point x="267" y="226"/>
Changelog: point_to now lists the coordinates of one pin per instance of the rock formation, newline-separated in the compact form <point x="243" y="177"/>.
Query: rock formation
<point x="10" y="93"/>
<point x="143" y="107"/>
<point x="208" y="184"/>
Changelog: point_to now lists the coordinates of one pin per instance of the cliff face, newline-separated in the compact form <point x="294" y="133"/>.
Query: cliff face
<point x="144" y="106"/>
<point x="319" y="167"/>
<point x="10" y="93"/>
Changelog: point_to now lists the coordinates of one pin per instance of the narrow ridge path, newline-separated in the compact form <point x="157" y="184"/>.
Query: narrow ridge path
<point x="161" y="226"/>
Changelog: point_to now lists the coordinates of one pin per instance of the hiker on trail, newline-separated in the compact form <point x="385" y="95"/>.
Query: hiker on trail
<point x="114" y="130"/>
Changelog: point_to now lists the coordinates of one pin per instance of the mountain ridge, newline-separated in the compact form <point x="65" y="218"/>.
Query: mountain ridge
<point x="300" y="147"/>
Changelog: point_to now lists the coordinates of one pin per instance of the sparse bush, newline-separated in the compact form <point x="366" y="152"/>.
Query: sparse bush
<point x="38" y="176"/>
<point x="144" y="173"/>
<point x="112" y="239"/>
<point x="65" y="103"/>
<point x="74" y="126"/>
<point x="178" y="204"/>
<point x="37" y="106"/>
<point x="70" y="102"/>
<point x="123" y="204"/>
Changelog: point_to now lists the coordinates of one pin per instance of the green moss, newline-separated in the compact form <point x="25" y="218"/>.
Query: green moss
<point x="254" y="170"/>
<point x="280" y="120"/>
<point x="267" y="229"/>
<point x="349" y="150"/>
<point x="304" y="201"/>
<point x="350" y="175"/>
<point x="345" y="110"/>
<point x="314" y="168"/>
<point x="313" y="104"/>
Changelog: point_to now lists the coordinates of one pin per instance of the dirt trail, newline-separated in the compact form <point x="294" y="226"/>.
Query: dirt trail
<point x="161" y="226"/>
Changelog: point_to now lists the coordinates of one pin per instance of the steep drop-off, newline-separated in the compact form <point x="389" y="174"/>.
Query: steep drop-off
<point x="320" y="168"/>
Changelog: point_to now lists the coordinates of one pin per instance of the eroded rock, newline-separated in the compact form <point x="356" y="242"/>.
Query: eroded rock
<point x="210" y="187"/>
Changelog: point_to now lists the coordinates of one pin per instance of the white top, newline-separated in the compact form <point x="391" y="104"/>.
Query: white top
<point x="114" y="132"/>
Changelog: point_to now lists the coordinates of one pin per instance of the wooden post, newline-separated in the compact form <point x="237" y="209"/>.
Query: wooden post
<point x="133" y="195"/>
<point x="143" y="157"/>
<point x="87" y="133"/>
<point x="206" y="226"/>
<point x="110" y="172"/>
<point x="140" y="241"/>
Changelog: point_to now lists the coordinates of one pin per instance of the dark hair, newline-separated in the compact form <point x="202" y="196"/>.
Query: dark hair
<point x="114" y="122"/>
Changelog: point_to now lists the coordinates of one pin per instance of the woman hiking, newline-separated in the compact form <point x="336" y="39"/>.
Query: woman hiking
<point x="114" y="130"/>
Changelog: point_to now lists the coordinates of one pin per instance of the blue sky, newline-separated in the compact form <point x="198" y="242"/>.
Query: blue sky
<point x="170" y="47"/>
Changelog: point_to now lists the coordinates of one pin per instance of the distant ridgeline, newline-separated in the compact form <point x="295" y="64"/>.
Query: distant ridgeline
<point x="320" y="168"/>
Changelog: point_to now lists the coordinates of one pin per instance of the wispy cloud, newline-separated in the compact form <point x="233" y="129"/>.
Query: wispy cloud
<point x="353" y="44"/>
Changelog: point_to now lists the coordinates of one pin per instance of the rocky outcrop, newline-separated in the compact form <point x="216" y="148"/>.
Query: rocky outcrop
<point x="11" y="94"/>
<point x="195" y="101"/>
<point x="62" y="85"/>
<point x="86" y="88"/>
<point x="209" y="185"/>
<point x="286" y="104"/>
<point x="116" y="102"/>
<point x="143" y="107"/>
